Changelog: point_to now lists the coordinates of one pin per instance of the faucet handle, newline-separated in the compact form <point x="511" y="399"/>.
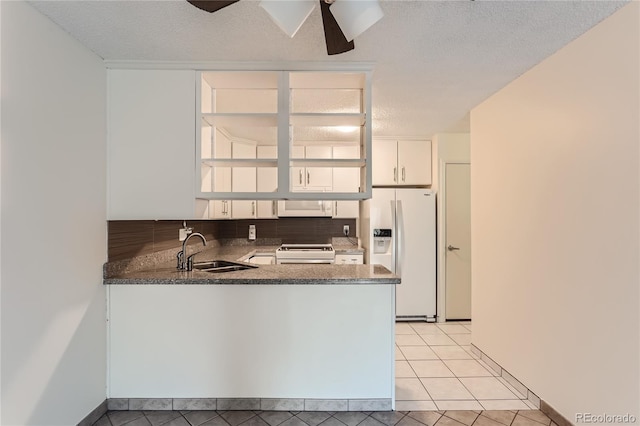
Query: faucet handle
<point x="189" y="263"/>
<point x="180" y="257"/>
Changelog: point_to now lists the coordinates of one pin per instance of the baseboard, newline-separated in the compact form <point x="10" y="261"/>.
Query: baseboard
<point x="94" y="415"/>
<point x="532" y="399"/>
<point x="554" y="415"/>
<point x="266" y="404"/>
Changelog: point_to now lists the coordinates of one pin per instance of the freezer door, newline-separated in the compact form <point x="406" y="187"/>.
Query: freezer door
<point x="416" y="253"/>
<point x="382" y="211"/>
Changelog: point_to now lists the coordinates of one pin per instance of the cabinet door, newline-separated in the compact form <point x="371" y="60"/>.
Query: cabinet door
<point x="414" y="162"/>
<point x="267" y="181"/>
<point x="346" y="179"/>
<point x="349" y="259"/>
<point x="298" y="179"/>
<point x="220" y="209"/>
<point x="318" y="177"/>
<point x="221" y="147"/>
<point x="243" y="179"/>
<point x="151" y="144"/>
<point x="384" y="162"/>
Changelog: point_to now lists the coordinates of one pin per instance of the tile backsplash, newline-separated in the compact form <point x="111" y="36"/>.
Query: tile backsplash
<point x="131" y="238"/>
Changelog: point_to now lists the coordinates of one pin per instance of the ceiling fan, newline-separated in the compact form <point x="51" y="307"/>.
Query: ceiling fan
<point x="343" y="20"/>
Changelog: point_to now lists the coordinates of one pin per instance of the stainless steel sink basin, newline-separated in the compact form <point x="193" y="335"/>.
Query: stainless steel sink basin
<point x="221" y="266"/>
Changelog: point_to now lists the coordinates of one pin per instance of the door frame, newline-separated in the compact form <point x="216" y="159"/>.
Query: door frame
<point x="442" y="238"/>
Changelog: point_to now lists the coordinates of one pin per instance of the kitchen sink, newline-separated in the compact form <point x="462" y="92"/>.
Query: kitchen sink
<point x="221" y="266"/>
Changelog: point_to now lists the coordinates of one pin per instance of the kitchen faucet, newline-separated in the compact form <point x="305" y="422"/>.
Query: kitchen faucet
<point x="187" y="265"/>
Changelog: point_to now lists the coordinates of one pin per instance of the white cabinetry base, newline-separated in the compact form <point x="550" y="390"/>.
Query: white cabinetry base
<point x="251" y="341"/>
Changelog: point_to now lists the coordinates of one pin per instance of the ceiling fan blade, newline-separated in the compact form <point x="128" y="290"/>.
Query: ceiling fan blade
<point x="336" y="41"/>
<point x="212" y="5"/>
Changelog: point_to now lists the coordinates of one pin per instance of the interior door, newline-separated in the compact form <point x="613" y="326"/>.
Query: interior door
<point x="458" y="242"/>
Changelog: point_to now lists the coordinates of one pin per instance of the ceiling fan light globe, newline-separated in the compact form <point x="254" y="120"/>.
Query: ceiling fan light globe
<point x="356" y="16"/>
<point x="289" y="15"/>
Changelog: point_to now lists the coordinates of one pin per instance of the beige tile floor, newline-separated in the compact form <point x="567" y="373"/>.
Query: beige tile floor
<point x="320" y="418"/>
<point x="436" y="370"/>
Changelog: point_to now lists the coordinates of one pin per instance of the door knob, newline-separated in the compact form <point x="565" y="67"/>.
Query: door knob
<point x="452" y="248"/>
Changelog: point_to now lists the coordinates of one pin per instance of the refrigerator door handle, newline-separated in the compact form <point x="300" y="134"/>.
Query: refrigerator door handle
<point x="394" y="238"/>
<point x="399" y="237"/>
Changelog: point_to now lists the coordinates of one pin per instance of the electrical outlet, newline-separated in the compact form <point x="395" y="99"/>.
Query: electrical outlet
<point x="252" y="232"/>
<point x="345" y="230"/>
<point x="183" y="233"/>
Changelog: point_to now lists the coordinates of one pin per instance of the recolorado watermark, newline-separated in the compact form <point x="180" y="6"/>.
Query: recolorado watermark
<point x="605" y="418"/>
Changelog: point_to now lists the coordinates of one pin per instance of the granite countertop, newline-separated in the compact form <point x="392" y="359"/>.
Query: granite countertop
<point x="339" y="249"/>
<point x="166" y="272"/>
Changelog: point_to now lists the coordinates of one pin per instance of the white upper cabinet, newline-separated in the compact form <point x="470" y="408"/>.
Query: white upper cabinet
<point x="267" y="181"/>
<point x="402" y="162"/>
<point x="318" y="179"/>
<point x="346" y="179"/>
<point x="220" y="178"/>
<point x="243" y="179"/>
<point x="151" y="138"/>
<point x="300" y="114"/>
<point x="385" y="162"/>
<point x="414" y="162"/>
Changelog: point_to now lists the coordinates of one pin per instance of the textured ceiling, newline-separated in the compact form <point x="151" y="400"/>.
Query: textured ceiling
<point x="434" y="60"/>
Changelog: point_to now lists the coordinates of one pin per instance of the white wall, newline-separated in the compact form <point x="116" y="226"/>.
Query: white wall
<point x="445" y="147"/>
<point x="555" y="223"/>
<point x="53" y="223"/>
<point x="448" y="147"/>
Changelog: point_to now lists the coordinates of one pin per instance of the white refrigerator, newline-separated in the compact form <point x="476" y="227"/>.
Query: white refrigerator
<point x="402" y="237"/>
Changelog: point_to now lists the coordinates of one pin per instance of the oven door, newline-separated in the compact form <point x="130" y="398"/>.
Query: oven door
<point x="304" y="208"/>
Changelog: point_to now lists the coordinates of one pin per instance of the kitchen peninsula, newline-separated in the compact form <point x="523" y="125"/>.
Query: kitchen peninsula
<point x="290" y="337"/>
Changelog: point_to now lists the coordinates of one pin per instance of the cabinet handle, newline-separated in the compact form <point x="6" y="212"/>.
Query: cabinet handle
<point x="403" y="174"/>
<point x="273" y="207"/>
<point x="308" y="177"/>
<point x="253" y="208"/>
<point x="300" y="177"/>
<point x="395" y="174"/>
<point x="224" y="204"/>
<point x="336" y="211"/>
